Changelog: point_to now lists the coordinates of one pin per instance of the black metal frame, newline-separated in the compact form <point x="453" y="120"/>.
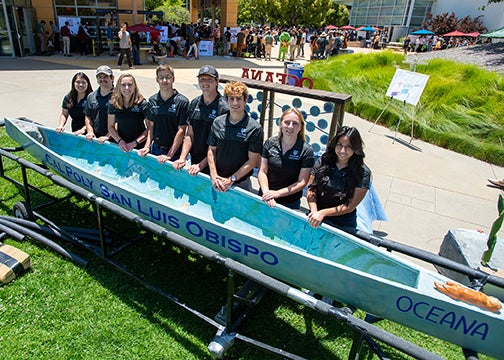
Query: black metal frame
<point x="239" y="304"/>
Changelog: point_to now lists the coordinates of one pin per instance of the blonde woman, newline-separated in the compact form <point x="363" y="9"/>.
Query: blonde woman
<point x="127" y="114"/>
<point x="286" y="162"/>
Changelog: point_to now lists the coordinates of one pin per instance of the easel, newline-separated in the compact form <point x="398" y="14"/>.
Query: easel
<point x="398" y="123"/>
<point x="406" y="86"/>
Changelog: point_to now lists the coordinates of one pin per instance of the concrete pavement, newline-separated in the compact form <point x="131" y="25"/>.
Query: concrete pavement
<point x="425" y="190"/>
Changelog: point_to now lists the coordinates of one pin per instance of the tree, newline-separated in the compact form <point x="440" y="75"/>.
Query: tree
<point x="150" y="5"/>
<point x="441" y="24"/>
<point x="174" y="12"/>
<point x="467" y="24"/>
<point x="284" y="12"/>
<point x="338" y="15"/>
<point x="444" y="23"/>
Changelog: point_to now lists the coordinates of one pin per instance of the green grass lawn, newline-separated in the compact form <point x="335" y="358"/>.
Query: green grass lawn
<point x="59" y="310"/>
<point x="461" y="108"/>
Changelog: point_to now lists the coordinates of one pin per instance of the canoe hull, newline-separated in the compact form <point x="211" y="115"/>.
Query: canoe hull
<point x="277" y="242"/>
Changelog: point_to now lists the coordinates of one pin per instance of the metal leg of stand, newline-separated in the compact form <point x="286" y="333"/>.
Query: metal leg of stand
<point x="412" y="123"/>
<point x="99" y="222"/>
<point x="234" y="312"/>
<point x="359" y="339"/>
<point x="399" y="122"/>
<point x="230" y="298"/>
<point x="379" y="116"/>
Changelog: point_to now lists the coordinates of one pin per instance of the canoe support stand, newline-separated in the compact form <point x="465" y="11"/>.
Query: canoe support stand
<point x="238" y="305"/>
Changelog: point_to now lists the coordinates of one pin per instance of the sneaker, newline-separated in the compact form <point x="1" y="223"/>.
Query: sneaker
<point x="132" y="67"/>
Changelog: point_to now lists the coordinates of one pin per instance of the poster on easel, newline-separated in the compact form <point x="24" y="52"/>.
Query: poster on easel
<point x="407" y="86"/>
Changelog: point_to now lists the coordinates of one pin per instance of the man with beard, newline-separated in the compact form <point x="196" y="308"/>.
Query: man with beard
<point x="96" y="109"/>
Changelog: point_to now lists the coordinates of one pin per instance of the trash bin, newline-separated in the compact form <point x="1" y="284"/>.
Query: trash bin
<point x="288" y="63"/>
<point x="296" y="70"/>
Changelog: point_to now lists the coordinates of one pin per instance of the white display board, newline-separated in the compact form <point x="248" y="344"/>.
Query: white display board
<point x="205" y="48"/>
<point x="407" y="86"/>
<point x="234" y="31"/>
<point x="73" y="23"/>
<point x="163" y="36"/>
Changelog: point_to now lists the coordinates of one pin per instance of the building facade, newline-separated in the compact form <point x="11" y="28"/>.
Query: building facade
<point x="19" y="18"/>
<point x="399" y="17"/>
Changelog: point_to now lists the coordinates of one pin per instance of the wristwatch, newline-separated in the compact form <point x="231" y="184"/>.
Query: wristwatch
<point x="233" y="178"/>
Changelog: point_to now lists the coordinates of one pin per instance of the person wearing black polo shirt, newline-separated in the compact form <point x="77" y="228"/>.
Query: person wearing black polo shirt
<point x="286" y="162"/>
<point x="166" y="118"/>
<point x="96" y="110"/>
<point x="203" y="110"/>
<point x="234" y="143"/>
<point x="338" y="181"/>
<point x="127" y="114"/>
<point x="74" y="103"/>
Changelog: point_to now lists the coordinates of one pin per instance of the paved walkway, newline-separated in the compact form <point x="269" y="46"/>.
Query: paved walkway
<point x="425" y="190"/>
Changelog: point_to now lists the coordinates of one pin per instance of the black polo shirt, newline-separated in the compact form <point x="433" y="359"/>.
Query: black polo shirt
<point x="130" y="121"/>
<point x="167" y="115"/>
<point x="97" y="110"/>
<point x="233" y="142"/>
<point x="283" y="169"/>
<point x="340" y="189"/>
<point x="201" y="118"/>
<point x="76" y="112"/>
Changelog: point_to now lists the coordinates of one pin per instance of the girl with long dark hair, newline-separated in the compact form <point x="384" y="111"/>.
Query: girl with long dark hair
<point x="74" y="103"/>
<point x="338" y="181"/>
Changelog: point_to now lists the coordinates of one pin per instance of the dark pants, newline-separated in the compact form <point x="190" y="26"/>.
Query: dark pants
<point x="57" y="46"/>
<point x="83" y="47"/>
<point x="136" y="55"/>
<point x="126" y="52"/>
<point x="245" y="184"/>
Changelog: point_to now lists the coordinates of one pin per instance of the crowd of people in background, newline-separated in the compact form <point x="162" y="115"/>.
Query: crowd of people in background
<point x="246" y="41"/>
<point x="184" y="39"/>
<point x="425" y="43"/>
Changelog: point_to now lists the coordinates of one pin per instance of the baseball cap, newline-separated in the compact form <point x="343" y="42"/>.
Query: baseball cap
<point x="208" y="70"/>
<point x="104" y="69"/>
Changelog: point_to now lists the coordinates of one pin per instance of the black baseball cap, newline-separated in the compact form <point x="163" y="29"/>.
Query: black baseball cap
<point x="209" y="70"/>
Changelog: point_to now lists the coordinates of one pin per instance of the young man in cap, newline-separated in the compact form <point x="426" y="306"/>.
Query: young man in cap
<point x="96" y="110"/>
<point x="202" y="112"/>
<point x="235" y="142"/>
<point x="167" y="118"/>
